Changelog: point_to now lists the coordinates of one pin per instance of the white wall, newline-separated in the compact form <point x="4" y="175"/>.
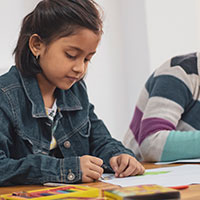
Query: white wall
<point x="139" y="36"/>
<point x="121" y="65"/>
<point x="12" y="13"/>
<point x="173" y="28"/>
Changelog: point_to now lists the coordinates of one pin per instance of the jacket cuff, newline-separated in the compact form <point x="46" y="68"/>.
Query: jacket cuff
<point x="70" y="170"/>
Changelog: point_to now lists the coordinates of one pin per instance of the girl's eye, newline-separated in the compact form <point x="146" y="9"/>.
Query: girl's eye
<point x="87" y="60"/>
<point x="70" y="56"/>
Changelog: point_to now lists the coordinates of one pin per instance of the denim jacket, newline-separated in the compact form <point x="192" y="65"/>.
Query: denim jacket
<point x="26" y="133"/>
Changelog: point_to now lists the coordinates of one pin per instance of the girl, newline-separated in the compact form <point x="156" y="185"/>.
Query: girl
<point x="49" y="131"/>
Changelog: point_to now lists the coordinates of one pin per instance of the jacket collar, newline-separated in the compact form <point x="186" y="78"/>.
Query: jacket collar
<point x="66" y="99"/>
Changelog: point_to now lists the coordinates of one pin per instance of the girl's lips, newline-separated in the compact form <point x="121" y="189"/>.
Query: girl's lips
<point x="72" y="78"/>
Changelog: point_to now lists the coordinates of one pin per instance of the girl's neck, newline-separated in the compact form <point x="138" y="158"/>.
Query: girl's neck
<point x="47" y="90"/>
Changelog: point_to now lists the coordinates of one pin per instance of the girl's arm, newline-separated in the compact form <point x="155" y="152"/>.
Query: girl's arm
<point x="37" y="169"/>
<point x="101" y="143"/>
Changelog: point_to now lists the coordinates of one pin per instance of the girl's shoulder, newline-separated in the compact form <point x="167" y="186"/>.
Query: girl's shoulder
<point x="10" y="79"/>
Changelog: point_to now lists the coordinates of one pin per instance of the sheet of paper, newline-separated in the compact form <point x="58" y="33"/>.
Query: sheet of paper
<point x="197" y="160"/>
<point x="166" y="176"/>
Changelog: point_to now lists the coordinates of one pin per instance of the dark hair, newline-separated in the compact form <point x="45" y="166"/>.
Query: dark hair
<point x="51" y="20"/>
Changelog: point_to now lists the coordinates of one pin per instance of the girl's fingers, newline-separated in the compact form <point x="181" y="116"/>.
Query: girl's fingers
<point x="114" y="164"/>
<point x="93" y="175"/>
<point x="129" y="171"/>
<point x="96" y="168"/>
<point x="96" y="161"/>
<point x="91" y="168"/>
<point x="129" y="166"/>
<point x="142" y="169"/>
<point x="86" y="179"/>
<point x="124" y="163"/>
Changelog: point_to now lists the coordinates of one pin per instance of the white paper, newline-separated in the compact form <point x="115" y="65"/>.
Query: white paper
<point x="166" y="176"/>
<point x="180" y="161"/>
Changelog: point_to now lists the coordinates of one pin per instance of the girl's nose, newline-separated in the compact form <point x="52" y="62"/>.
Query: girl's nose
<point x="79" y="67"/>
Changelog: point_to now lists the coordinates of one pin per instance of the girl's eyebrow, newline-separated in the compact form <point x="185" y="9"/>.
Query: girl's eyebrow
<point x="74" y="48"/>
<point x="79" y="49"/>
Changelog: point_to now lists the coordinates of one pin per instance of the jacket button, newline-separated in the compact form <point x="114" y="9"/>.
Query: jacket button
<point x="67" y="144"/>
<point x="70" y="176"/>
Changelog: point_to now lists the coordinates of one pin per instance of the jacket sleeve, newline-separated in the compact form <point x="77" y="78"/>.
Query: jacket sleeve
<point x="37" y="169"/>
<point x="102" y="144"/>
<point x="165" y="133"/>
<point x="29" y="168"/>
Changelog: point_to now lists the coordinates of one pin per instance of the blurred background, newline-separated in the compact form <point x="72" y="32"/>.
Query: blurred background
<point x="139" y="35"/>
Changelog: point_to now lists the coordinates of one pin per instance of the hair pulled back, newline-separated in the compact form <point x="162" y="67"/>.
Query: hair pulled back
<point x="51" y="20"/>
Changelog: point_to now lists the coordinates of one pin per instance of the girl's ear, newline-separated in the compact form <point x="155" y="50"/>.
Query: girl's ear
<point x="36" y="45"/>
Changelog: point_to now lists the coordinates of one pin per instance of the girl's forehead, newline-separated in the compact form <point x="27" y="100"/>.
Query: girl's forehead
<point x="82" y="38"/>
<point x="86" y="34"/>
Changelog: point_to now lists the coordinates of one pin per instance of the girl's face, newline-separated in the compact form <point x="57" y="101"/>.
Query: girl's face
<point x="65" y="60"/>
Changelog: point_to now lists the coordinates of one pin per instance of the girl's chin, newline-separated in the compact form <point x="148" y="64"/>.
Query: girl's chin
<point x="66" y="87"/>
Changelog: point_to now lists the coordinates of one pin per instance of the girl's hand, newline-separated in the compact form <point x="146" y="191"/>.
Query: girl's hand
<point x="91" y="168"/>
<point x="126" y="165"/>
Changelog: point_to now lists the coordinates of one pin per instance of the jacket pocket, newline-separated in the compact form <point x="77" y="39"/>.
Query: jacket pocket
<point x="80" y="140"/>
<point x="85" y="130"/>
<point x="31" y="146"/>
